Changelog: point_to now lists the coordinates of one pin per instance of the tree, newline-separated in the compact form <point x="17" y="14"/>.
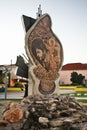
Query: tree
<point x="1" y="77"/>
<point x="74" y="77"/>
<point x="80" y="79"/>
<point x="77" y="78"/>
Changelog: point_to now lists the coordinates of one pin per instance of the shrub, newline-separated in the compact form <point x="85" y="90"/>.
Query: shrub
<point x="2" y="89"/>
<point x="18" y="85"/>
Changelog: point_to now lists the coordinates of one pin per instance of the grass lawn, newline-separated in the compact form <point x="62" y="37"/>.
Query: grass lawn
<point x="13" y="100"/>
<point x="82" y="100"/>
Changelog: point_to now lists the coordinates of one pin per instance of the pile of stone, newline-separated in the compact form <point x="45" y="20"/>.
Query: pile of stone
<point x="51" y="112"/>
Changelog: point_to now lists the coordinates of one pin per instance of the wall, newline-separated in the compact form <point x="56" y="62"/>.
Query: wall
<point x="65" y="75"/>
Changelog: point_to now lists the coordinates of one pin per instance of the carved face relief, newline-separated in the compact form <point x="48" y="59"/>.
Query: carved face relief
<point x="45" y="50"/>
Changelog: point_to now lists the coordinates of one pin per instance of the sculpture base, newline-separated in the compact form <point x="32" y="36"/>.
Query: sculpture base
<point x="50" y="112"/>
<point x="36" y="89"/>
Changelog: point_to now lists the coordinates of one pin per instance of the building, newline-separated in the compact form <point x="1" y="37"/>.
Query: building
<point x="65" y="73"/>
<point x="67" y="69"/>
<point x="10" y="72"/>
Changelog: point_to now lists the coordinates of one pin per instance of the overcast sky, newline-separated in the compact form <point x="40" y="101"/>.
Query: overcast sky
<point x="69" y="23"/>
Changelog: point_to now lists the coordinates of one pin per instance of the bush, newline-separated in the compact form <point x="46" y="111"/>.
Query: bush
<point x="2" y="89"/>
<point x="18" y="85"/>
<point x="74" y="84"/>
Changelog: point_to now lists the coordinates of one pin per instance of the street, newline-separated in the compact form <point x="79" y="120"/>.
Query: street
<point x="20" y="94"/>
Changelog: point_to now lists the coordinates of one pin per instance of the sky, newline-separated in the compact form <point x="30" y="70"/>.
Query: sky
<point x="69" y="23"/>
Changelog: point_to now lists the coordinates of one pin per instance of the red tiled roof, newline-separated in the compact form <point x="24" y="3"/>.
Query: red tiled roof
<point x="74" y="66"/>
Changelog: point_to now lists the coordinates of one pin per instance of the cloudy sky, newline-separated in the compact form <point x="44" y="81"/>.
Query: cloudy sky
<point x="69" y="23"/>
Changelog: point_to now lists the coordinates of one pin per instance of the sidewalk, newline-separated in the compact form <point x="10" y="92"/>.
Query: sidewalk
<point x="12" y="95"/>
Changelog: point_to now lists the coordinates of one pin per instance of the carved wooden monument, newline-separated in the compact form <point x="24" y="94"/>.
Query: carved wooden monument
<point x="45" y="54"/>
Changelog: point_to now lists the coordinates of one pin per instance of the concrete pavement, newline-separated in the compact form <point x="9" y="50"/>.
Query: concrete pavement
<point x="12" y="95"/>
<point x="20" y="94"/>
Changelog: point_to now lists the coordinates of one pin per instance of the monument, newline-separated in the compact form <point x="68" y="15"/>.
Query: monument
<point x="44" y="109"/>
<point x="45" y="54"/>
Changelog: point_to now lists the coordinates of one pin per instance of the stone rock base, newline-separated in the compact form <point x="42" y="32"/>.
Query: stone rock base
<point x="51" y="112"/>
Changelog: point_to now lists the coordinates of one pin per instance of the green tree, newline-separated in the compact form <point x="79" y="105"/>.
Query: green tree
<point x="74" y="77"/>
<point x="80" y="79"/>
<point x="1" y="77"/>
<point x="77" y="78"/>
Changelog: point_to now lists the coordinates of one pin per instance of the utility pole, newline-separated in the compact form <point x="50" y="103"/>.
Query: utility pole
<point x="6" y="81"/>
